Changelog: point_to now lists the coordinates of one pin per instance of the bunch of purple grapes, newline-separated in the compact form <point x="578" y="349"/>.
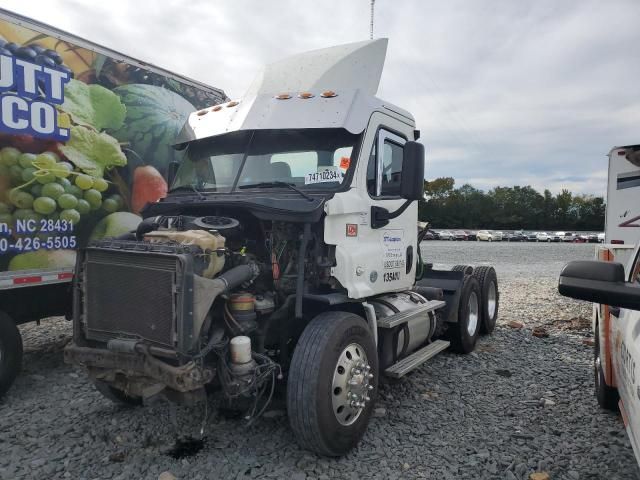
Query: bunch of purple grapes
<point x="34" y="53"/>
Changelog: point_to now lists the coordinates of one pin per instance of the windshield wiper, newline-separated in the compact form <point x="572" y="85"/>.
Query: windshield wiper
<point x="191" y="187"/>
<point x="277" y="183"/>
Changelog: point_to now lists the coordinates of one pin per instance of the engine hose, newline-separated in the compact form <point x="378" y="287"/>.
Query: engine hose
<point x="238" y="275"/>
<point x="147" y="225"/>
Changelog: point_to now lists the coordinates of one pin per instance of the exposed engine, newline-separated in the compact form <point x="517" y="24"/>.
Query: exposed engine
<point x="190" y="301"/>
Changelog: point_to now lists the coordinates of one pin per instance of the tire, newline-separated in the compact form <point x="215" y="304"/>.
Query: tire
<point x="117" y="396"/>
<point x="490" y="239"/>
<point x="607" y="396"/>
<point x="10" y="352"/>
<point x="490" y="296"/>
<point x="464" y="334"/>
<point x="313" y="402"/>
<point x="467" y="269"/>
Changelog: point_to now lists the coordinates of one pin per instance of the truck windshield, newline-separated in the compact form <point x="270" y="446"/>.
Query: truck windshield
<point x="305" y="158"/>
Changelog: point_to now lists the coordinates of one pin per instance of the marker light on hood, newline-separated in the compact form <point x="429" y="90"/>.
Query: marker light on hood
<point x="329" y="94"/>
<point x="283" y="96"/>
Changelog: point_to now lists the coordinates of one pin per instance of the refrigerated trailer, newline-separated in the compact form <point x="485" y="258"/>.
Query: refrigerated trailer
<point x="85" y="141"/>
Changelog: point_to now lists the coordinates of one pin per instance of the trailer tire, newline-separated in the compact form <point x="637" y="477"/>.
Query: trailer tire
<point x="317" y="367"/>
<point x="467" y="269"/>
<point x="117" y="396"/>
<point x="488" y="281"/>
<point x="10" y="352"/>
<point x="607" y="396"/>
<point x="464" y="334"/>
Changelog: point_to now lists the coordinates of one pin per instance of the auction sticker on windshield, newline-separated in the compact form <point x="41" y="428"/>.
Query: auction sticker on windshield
<point x="324" y="175"/>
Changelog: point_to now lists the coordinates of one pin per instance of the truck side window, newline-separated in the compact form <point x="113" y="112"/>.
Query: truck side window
<point x="391" y="169"/>
<point x="384" y="170"/>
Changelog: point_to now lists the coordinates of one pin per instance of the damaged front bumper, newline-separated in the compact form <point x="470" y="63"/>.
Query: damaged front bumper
<point x="140" y="369"/>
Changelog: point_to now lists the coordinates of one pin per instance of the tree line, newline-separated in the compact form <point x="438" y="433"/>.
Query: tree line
<point x="509" y="208"/>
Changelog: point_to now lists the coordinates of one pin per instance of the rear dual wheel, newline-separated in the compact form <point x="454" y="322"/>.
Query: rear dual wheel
<point x="488" y="281"/>
<point x="464" y="334"/>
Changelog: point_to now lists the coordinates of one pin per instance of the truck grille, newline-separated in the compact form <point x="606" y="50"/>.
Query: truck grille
<point x="133" y="295"/>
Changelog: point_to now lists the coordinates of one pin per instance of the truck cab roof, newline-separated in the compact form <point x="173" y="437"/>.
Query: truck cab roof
<point x="333" y="87"/>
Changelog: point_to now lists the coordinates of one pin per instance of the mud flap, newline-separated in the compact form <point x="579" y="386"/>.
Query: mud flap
<point x="451" y="283"/>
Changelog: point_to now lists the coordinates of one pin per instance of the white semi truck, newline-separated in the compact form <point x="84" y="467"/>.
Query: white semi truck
<point x="85" y="139"/>
<point x="285" y="255"/>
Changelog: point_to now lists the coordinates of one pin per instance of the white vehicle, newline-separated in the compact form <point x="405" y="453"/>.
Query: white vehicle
<point x="488" y="236"/>
<point x="622" y="224"/>
<point x="616" y="289"/>
<point x="285" y="254"/>
<point x="617" y="345"/>
<point x="568" y="237"/>
<point x="543" y="237"/>
<point x="446" y="235"/>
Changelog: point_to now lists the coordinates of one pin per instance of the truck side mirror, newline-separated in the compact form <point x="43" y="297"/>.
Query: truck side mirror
<point x="599" y="282"/>
<point x="172" y="169"/>
<point x="412" y="180"/>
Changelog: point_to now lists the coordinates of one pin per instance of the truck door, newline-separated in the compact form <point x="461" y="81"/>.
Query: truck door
<point x="626" y="359"/>
<point x="372" y="260"/>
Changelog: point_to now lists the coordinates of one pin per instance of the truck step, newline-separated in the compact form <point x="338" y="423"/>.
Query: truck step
<point x="417" y="358"/>
<point x="403" y="317"/>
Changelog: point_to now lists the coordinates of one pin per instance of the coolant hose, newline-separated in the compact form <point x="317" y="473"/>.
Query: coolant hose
<point x="238" y="275"/>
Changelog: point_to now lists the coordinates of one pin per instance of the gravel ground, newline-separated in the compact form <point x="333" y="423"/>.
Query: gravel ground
<point x="518" y="404"/>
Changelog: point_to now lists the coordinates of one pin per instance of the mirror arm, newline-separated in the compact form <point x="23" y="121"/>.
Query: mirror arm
<point x="380" y="216"/>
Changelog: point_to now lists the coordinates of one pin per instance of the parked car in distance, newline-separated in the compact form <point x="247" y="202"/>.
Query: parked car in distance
<point x="446" y="235"/>
<point x="431" y="235"/>
<point x="531" y="236"/>
<point x="568" y="237"/>
<point x="580" y="238"/>
<point x="556" y="236"/>
<point x="470" y="235"/>
<point x="517" y="236"/>
<point x="543" y="237"/>
<point x="460" y="235"/>
<point x="601" y="237"/>
<point x="489" y="236"/>
<point x="592" y="238"/>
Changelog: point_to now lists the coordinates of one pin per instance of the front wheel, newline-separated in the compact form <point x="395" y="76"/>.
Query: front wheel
<point x="333" y="382"/>
<point x="607" y="396"/>
<point x="464" y="334"/>
<point x="10" y="352"/>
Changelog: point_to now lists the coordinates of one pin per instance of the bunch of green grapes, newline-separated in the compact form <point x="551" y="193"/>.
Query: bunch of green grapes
<point x="43" y="186"/>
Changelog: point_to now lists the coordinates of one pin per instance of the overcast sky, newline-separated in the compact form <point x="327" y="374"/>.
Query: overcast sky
<point x="505" y="92"/>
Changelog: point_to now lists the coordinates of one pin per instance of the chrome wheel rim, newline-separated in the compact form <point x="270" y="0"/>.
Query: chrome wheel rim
<point x="491" y="299"/>
<point x="351" y="385"/>
<point x="472" y="315"/>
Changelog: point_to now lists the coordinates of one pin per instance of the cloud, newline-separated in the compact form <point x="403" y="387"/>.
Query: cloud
<point x="504" y="92"/>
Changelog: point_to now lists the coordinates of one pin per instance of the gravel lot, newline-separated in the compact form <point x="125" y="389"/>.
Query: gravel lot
<point x="518" y="404"/>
